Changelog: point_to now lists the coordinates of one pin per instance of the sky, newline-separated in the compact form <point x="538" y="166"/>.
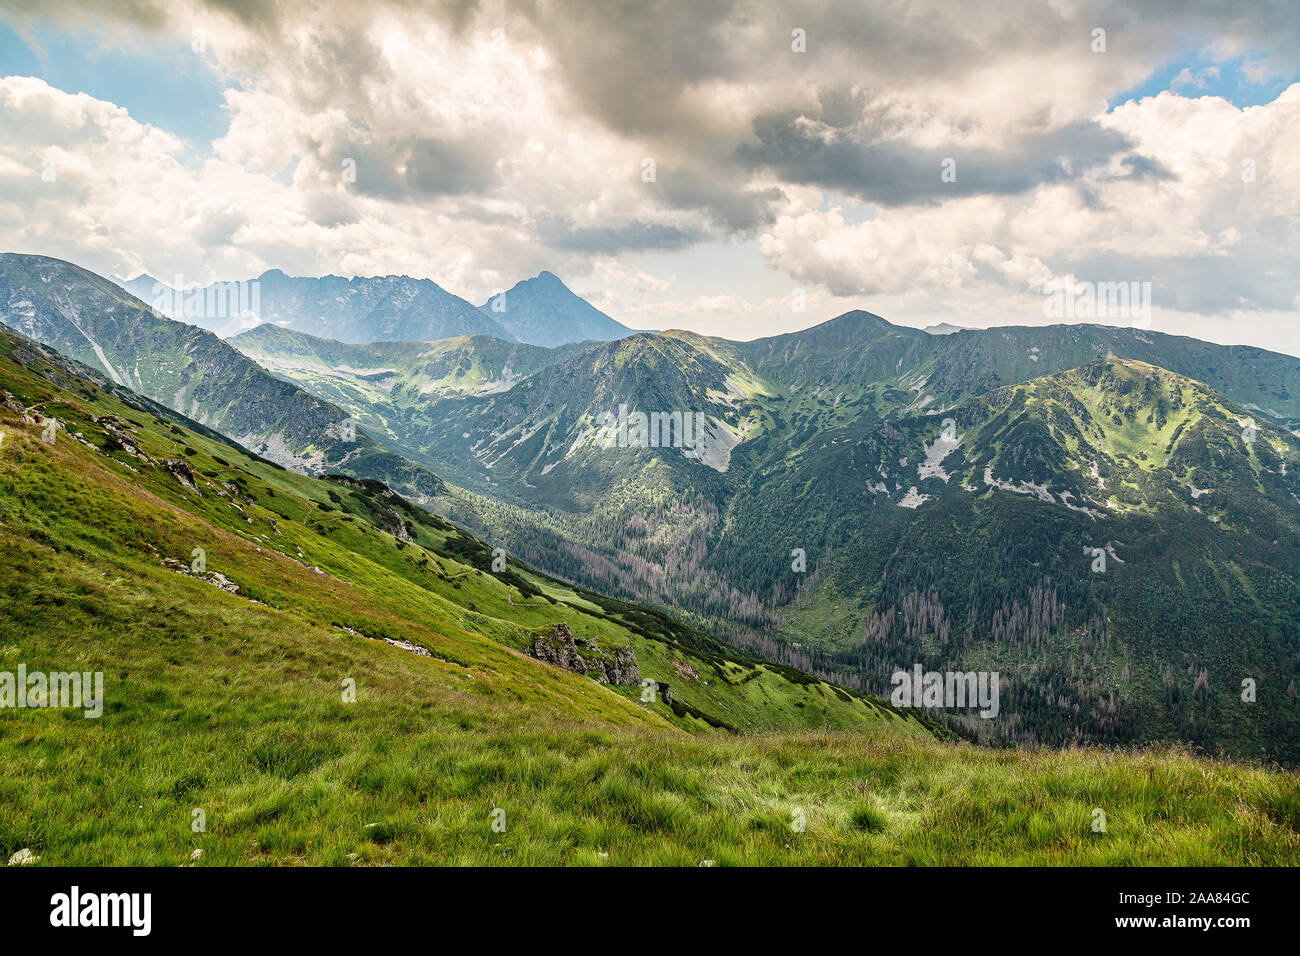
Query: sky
<point x="735" y="168"/>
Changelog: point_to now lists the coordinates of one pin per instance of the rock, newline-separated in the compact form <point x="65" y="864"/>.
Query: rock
<point x="685" y="670"/>
<point x="706" y="862"/>
<point x="179" y="469"/>
<point x="116" y="435"/>
<point x="196" y="855"/>
<point x="217" y="579"/>
<point x="23" y="857"/>
<point x="562" y="649"/>
<point x="392" y="522"/>
<point x="15" y="406"/>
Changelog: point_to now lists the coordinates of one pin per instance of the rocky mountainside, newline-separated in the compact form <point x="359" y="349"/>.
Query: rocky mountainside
<point x="360" y="661"/>
<point x="1106" y="514"/>
<point x="934" y="496"/>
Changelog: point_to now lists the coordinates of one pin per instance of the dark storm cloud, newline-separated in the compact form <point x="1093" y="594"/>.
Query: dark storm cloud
<point x="857" y="163"/>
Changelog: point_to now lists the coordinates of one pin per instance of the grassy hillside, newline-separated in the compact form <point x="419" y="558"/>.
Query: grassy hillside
<point x="232" y="702"/>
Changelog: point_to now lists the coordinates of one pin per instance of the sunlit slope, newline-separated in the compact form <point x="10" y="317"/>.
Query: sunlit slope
<point x="350" y="554"/>
<point x="1120" y="539"/>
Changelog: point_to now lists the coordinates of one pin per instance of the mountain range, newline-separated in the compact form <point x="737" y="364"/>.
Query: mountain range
<point x="1105" y="516"/>
<point x="313" y="670"/>
<point x="90" y="319"/>
<point x="538" y="311"/>
<point x="950" y="496"/>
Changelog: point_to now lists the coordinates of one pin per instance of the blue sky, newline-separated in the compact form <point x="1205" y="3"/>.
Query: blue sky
<point x="1210" y="78"/>
<point x="159" y="81"/>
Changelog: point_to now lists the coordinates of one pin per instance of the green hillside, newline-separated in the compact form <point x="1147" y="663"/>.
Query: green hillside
<point x="225" y="693"/>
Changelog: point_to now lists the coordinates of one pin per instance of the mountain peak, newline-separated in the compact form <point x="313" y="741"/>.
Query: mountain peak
<point x="544" y="311"/>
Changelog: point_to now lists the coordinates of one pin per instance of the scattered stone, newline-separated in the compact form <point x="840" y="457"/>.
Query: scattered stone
<point x="15" y="406"/>
<point x="23" y="857"/>
<point x="415" y="649"/>
<point x="117" y="436"/>
<point x="196" y="855"/>
<point x="215" y="578"/>
<point x="685" y="670"/>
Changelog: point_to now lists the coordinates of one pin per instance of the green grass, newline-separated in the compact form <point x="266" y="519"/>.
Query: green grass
<point x="233" y="704"/>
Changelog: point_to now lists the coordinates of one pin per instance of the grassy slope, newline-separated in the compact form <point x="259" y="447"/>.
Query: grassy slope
<point x="217" y="702"/>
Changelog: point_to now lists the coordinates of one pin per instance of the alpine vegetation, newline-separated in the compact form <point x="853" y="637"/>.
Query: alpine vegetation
<point x="645" y="434"/>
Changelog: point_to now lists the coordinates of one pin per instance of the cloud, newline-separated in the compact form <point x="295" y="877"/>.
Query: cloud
<point x="475" y="143"/>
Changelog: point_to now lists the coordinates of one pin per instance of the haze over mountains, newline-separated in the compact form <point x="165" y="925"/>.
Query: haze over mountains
<point x="538" y="311"/>
<point x="1107" y="516"/>
<point x="90" y="319"/>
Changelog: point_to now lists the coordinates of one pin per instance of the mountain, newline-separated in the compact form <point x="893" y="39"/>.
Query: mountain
<point x="146" y="288"/>
<point x="543" y="311"/>
<point x="938" y="488"/>
<point x="380" y="308"/>
<point x="551" y="427"/>
<point x="464" y="365"/>
<point x="1118" y="537"/>
<point x="92" y="320"/>
<point x="361" y="681"/>
<point x="391" y="388"/>
<point x="944" y="328"/>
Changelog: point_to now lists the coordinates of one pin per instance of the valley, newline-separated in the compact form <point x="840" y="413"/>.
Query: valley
<point x="942" y="489"/>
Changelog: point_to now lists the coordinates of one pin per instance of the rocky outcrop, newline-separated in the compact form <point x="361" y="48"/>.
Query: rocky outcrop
<point x="577" y="654"/>
<point x="179" y="469"/>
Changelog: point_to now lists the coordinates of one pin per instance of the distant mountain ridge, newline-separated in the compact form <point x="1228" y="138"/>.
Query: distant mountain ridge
<point x="361" y="309"/>
<point x="1106" y="516"/>
<point x="537" y="311"/>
